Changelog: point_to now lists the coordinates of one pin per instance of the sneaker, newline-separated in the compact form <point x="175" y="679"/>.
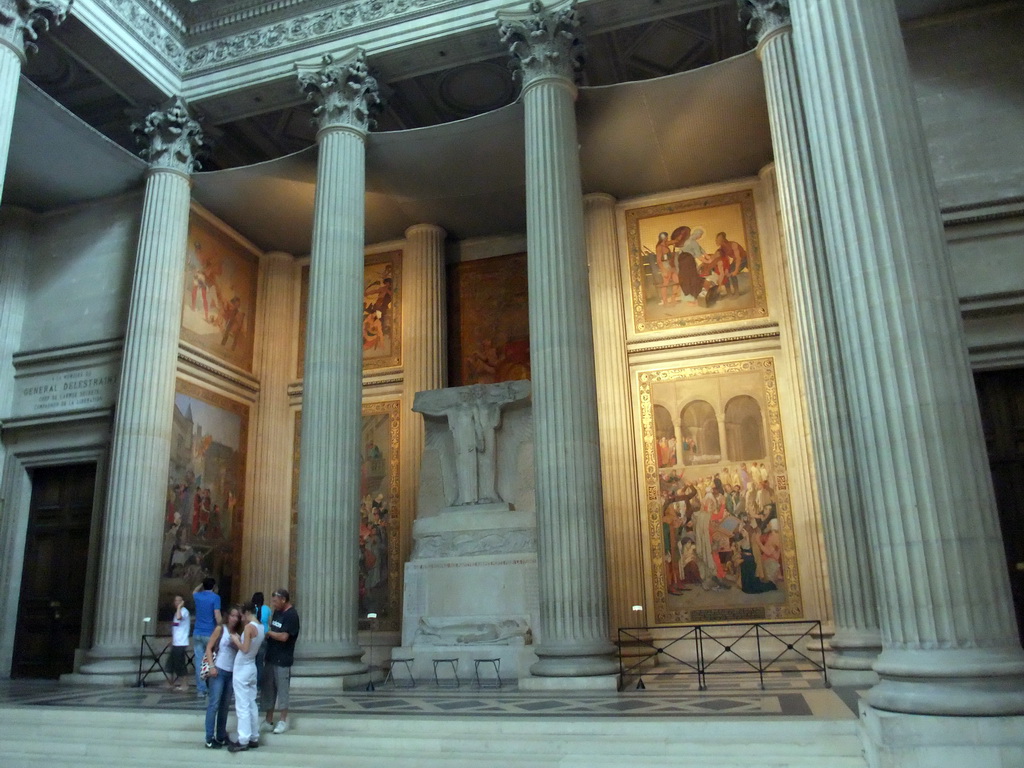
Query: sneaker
<point x="214" y="744"/>
<point x="236" y="747"/>
<point x="281" y="726"/>
<point x="254" y="745"/>
<point x="266" y="727"/>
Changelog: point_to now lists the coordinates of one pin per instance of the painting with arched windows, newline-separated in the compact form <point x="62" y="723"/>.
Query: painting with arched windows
<point x="719" y="512"/>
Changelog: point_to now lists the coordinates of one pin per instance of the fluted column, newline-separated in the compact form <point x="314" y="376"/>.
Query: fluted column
<point x="949" y="638"/>
<point x="857" y="639"/>
<point x="140" y="454"/>
<point x="425" y="325"/>
<point x="15" y="240"/>
<point x="615" y="427"/>
<point x="268" y="519"/>
<point x="21" y="21"/>
<point x="328" y="528"/>
<point x="573" y="630"/>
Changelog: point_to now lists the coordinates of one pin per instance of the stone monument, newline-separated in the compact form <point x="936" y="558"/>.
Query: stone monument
<point x="471" y="582"/>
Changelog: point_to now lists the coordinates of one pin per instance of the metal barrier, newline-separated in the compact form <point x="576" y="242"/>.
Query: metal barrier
<point x="761" y="648"/>
<point x="149" y="654"/>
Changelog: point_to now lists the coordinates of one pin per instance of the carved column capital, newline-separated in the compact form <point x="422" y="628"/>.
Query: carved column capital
<point x="544" y="42"/>
<point x="21" y="21"/>
<point x="170" y="137"/>
<point x="346" y="94"/>
<point x="763" y="17"/>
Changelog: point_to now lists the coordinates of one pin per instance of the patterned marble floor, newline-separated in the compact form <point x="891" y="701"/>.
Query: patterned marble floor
<point x="665" y="695"/>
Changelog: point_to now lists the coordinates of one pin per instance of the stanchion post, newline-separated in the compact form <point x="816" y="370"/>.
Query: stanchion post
<point x="372" y="618"/>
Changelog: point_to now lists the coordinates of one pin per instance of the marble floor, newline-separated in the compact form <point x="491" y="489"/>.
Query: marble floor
<point x="797" y="696"/>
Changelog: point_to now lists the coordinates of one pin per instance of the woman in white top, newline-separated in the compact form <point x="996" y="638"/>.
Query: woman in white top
<point x="243" y="680"/>
<point x="219" y="681"/>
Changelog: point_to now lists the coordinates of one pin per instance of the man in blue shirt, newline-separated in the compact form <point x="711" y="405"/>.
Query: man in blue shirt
<point x="207" y="619"/>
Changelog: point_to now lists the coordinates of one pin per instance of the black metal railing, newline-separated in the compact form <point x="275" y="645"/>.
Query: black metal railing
<point x="154" y="654"/>
<point x="735" y="648"/>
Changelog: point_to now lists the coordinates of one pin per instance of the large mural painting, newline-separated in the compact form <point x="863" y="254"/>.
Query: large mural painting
<point x="218" y="312"/>
<point x="718" y="503"/>
<point x="694" y="262"/>
<point x="382" y="312"/>
<point x="489" y="335"/>
<point x="380" y="588"/>
<point x="205" y="493"/>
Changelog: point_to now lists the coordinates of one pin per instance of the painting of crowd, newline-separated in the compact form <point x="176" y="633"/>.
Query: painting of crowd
<point x="720" y="500"/>
<point x="204" y="492"/>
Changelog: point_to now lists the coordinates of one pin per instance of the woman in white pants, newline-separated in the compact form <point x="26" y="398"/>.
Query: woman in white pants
<point x="243" y="680"/>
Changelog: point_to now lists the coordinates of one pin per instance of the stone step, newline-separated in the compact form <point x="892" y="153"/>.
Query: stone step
<point x="38" y="736"/>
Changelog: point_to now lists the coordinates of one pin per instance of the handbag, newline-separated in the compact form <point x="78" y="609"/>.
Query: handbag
<point x="204" y="668"/>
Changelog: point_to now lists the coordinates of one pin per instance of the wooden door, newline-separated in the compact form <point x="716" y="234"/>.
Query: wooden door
<point x="53" y="577"/>
<point x="1001" y="397"/>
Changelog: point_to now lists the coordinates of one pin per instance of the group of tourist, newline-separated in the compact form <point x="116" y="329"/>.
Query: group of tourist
<point x="247" y="650"/>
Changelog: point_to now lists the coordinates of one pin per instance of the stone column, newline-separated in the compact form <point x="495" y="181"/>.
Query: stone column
<point x="20" y="24"/>
<point x="15" y="242"/>
<point x="857" y="639"/>
<point x="949" y="638"/>
<point x="328" y="529"/>
<point x="268" y="521"/>
<point x="140" y="455"/>
<point x="425" y="326"/>
<point x="573" y="629"/>
<point x="615" y="426"/>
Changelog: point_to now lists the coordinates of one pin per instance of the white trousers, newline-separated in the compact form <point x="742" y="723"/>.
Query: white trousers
<point x="244" y="684"/>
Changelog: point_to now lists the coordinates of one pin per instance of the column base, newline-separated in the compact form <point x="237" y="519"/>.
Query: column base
<point x="970" y="682"/>
<point x="895" y="740"/>
<point x="576" y="660"/>
<point x="108" y="666"/>
<point x="851" y="657"/>
<point x="327" y="660"/>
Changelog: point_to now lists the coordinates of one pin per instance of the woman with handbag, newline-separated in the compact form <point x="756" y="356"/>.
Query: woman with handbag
<point x="218" y="663"/>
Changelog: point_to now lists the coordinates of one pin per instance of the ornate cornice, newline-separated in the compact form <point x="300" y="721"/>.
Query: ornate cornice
<point x="302" y="30"/>
<point x="141" y="19"/>
<point x="21" y="21"/>
<point x="544" y="42"/>
<point x="170" y="138"/>
<point x="763" y="17"/>
<point x="345" y="93"/>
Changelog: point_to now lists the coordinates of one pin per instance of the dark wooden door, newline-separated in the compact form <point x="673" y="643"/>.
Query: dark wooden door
<point x="53" y="577"/>
<point x="1001" y="397"/>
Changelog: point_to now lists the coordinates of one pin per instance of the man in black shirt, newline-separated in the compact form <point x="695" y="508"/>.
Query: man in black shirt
<point x="277" y="671"/>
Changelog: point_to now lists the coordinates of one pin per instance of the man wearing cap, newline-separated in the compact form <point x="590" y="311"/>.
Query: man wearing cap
<point x="277" y="670"/>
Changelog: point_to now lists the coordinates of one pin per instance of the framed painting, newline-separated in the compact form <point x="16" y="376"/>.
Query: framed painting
<point x="718" y="511"/>
<point x="382" y="312"/>
<point x="379" y="512"/>
<point x="218" y="312"/>
<point x="694" y="262"/>
<point x="204" y="512"/>
<point x="489" y="335"/>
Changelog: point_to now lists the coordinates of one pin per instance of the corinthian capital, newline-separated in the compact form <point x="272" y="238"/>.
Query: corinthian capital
<point x="345" y="92"/>
<point x="763" y="17"/>
<point x="544" y="42"/>
<point x="21" y="21"/>
<point x="170" y="137"/>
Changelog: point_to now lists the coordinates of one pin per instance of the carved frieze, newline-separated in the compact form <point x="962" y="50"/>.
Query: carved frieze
<point x="465" y="543"/>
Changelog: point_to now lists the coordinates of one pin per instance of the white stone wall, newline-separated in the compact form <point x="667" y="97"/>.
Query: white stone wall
<point x="80" y="274"/>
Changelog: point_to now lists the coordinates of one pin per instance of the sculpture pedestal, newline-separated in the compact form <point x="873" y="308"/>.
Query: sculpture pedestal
<point x="471" y="592"/>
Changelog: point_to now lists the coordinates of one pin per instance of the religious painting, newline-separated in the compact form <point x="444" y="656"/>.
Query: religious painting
<point x="218" y="312"/>
<point x="718" y="504"/>
<point x="488" y="307"/>
<point x="693" y="262"/>
<point x="205" y="494"/>
<point x="379" y="515"/>
<point x="382" y="312"/>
